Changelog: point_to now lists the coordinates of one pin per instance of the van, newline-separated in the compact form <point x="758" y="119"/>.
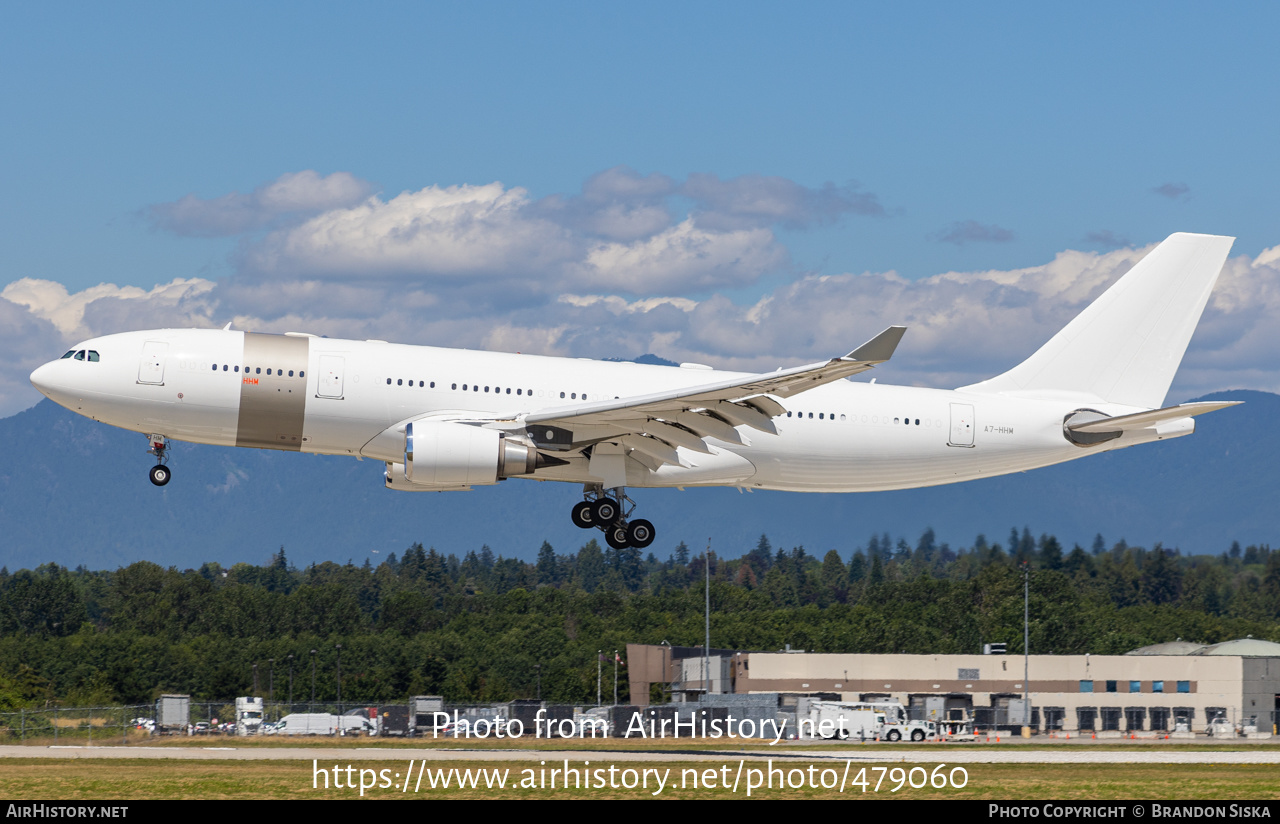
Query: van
<point x="308" y="723"/>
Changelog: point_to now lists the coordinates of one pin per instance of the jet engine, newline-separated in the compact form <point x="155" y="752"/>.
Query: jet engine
<point x="457" y="455"/>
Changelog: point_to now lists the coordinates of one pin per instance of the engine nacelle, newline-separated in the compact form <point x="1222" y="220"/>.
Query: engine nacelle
<point x="457" y="455"/>
<point x="394" y="479"/>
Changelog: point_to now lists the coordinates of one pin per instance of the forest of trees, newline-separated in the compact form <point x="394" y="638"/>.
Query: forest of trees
<point x="482" y="628"/>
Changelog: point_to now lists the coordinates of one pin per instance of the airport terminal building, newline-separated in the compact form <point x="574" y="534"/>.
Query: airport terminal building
<point x="1149" y="689"/>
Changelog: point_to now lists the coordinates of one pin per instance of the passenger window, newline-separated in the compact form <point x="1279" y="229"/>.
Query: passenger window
<point x="821" y="416"/>
<point x="388" y="379"/>
<point x="80" y="355"/>
<point x="508" y="390"/>
<point x="433" y="384"/>
<point x="841" y="416"/>
<point x="71" y="352"/>
<point x="486" y="389"/>
<point x="453" y="386"/>
<point x="464" y="387"/>
<point x="788" y="414"/>
<point x="810" y="416"/>
<point x="562" y="394"/>
<point x="518" y="391"/>
<point x="573" y="396"/>
<point x="258" y="371"/>
<point x="399" y="382"/>
<point x="302" y="374"/>
<point x="224" y="367"/>
<point x="215" y="366"/>
<point x="895" y="420"/>
<point x="291" y="373"/>
<point x="237" y="369"/>
<point x="475" y="387"/>
<point x="93" y="356"/>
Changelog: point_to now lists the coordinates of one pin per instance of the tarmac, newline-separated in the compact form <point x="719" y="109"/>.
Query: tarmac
<point x="928" y="755"/>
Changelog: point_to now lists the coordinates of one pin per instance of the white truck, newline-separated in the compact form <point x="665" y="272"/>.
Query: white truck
<point x="885" y="720"/>
<point x="248" y="716"/>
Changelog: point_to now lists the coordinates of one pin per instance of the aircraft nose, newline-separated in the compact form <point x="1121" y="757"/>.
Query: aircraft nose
<point x="42" y="379"/>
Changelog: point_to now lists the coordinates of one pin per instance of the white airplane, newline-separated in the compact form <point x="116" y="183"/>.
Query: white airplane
<point x="449" y="419"/>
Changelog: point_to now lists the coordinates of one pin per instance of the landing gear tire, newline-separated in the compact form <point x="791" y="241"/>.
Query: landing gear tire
<point x="160" y="475"/>
<point x="616" y="536"/>
<point x="640" y="533"/>
<point x="604" y="511"/>
<point x="581" y="515"/>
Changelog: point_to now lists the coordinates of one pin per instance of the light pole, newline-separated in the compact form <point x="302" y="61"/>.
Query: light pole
<point x="255" y="679"/>
<point x="706" y="649"/>
<point x="599" y="662"/>
<point x="1026" y="646"/>
<point x="339" y="647"/>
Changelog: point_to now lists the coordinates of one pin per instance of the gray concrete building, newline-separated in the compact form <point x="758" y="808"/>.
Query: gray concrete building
<point x="1145" y="690"/>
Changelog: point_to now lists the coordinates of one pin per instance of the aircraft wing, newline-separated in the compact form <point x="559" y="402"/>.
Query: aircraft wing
<point x="661" y="421"/>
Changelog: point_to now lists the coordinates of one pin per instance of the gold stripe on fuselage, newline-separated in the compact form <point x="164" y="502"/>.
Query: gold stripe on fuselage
<point x="273" y="406"/>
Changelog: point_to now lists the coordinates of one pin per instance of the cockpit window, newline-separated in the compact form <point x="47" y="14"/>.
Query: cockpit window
<point x="70" y="352"/>
<point x="80" y="355"/>
<point x="93" y="356"/>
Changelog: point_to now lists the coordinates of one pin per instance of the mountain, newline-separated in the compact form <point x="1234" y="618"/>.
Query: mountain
<point x="75" y="492"/>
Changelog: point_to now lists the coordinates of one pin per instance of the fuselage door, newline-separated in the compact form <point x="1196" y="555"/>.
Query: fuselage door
<point x="151" y="369"/>
<point x="961" y="425"/>
<point x="330" y="383"/>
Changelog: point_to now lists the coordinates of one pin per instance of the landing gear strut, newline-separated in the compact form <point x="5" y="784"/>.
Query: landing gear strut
<point x="610" y="513"/>
<point x="160" y="473"/>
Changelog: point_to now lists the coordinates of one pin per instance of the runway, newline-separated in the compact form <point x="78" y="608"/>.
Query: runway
<point x="879" y="756"/>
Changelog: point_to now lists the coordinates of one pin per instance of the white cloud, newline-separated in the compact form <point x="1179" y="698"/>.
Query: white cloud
<point x="295" y="193"/>
<point x="450" y="232"/>
<point x="48" y="300"/>
<point x="684" y="257"/>
<point x="758" y="200"/>
<point x="488" y="267"/>
<point x="971" y="231"/>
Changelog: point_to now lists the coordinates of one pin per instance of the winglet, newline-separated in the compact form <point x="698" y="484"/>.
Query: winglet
<point x="880" y="348"/>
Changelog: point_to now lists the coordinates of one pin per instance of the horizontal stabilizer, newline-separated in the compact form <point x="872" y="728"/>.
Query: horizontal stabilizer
<point x="1143" y="420"/>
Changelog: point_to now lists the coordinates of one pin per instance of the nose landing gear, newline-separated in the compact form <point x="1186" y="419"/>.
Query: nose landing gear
<point x="160" y="473"/>
<point x="607" y="513"/>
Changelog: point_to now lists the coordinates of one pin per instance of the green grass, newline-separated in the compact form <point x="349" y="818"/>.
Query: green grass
<point x="137" y="779"/>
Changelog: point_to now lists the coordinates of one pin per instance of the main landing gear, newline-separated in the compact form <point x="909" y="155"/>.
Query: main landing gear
<point x="160" y="473"/>
<point x="607" y="513"/>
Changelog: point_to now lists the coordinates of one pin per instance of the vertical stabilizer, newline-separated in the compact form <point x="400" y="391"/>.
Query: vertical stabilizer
<point x="1126" y="346"/>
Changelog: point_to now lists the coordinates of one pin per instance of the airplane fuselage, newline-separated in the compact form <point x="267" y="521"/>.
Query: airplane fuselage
<point x="343" y="397"/>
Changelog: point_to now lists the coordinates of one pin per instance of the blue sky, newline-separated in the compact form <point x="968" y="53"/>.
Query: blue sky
<point x="912" y="138"/>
